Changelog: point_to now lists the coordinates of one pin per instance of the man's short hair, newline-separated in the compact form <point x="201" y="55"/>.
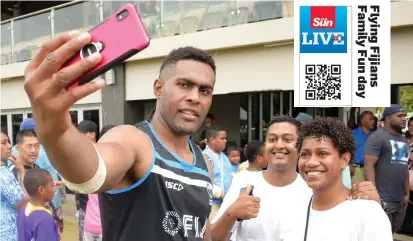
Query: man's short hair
<point x="188" y="53"/>
<point x="362" y="115"/>
<point x="25" y="133"/>
<point x="253" y="149"/>
<point x="34" y="178"/>
<point x="88" y="126"/>
<point x="284" y="119"/>
<point x="232" y="148"/>
<point x="213" y="131"/>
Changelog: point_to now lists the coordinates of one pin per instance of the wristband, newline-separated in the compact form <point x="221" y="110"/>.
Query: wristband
<point x="93" y="184"/>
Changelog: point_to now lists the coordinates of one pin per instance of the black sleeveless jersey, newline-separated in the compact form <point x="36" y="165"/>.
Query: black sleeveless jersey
<point x="171" y="202"/>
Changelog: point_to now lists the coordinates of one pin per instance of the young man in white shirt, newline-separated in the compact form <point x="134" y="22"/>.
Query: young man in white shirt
<point x="278" y="194"/>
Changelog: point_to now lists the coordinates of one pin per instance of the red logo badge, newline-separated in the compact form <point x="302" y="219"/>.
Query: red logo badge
<point x="323" y="17"/>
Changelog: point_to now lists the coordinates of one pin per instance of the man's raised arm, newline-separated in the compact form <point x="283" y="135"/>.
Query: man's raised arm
<point x="369" y="163"/>
<point x="372" y="151"/>
<point x="77" y="161"/>
<point x="73" y="156"/>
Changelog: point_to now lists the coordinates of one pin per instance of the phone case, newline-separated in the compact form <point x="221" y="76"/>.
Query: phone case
<point x="116" y="40"/>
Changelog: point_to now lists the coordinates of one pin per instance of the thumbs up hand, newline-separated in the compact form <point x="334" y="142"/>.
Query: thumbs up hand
<point x="246" y="206"/>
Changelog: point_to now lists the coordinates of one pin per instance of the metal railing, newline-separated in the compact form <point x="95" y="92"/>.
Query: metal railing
<point x="21" y="37"/>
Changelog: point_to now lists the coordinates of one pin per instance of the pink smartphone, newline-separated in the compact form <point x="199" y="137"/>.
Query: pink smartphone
<point x="119" y="37"/>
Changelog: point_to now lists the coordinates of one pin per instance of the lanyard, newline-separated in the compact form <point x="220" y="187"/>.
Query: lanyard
<point x="308" y="217"/>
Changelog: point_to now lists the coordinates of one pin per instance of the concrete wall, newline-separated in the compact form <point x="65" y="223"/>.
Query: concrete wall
<point x="246" y="69"/>
<point x="117" y="111"/>
<point x="13" y="95"/>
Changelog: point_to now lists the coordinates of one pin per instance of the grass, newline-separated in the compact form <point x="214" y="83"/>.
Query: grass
<point x="70" y="232"/>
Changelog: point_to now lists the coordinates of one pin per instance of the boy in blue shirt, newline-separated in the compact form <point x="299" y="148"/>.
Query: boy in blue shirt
<point x="34" y="221"/>
<point x="234" y="156"/>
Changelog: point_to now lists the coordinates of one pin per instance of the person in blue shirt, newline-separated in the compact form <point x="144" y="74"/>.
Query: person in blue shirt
<point x="44" y="163"/>
<point x="361" y="133"/>
<point x="234" y="156"/>
<point x="216" y="143"/>
<point x="11" y="193"/>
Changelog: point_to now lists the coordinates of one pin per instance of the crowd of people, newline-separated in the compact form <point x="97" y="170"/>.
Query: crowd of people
<point x="30" y="183"/>
<point x="153" y="182"/>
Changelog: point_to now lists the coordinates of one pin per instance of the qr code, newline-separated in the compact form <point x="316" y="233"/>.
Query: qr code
<point x="323" y="82"/>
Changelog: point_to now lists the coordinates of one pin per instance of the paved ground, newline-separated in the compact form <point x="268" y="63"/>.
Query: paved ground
<point x="399" y="237"/>
<point x="71" y="231"/>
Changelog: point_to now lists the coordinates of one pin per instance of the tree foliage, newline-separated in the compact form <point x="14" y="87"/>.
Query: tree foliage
<point x="406" y="100"/>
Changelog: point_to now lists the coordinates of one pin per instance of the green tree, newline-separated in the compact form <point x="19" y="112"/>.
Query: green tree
<point x="406" y="100"/>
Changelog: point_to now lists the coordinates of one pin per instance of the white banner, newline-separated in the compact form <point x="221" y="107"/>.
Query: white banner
<point x="341" y="53"/>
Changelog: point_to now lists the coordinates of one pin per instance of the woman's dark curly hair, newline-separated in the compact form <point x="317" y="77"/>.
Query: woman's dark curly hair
<point x="330" y="127"/>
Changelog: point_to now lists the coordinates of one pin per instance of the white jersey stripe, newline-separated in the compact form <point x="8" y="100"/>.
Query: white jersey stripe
<point x="169" y="174"/>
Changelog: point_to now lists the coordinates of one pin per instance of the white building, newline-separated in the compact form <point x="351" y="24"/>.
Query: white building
<point x="252" y="42"/>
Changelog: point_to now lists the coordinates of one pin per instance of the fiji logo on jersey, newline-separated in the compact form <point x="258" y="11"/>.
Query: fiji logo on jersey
<point x="191" y="225"/>
<point x="323" y="29"/>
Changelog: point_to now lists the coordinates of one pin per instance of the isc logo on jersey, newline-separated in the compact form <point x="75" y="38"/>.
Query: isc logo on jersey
<point x="323" y="29"/>
<point x="173" y="185"/>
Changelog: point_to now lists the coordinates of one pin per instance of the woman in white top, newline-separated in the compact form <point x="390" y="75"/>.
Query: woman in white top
<point x="325" y="147"/>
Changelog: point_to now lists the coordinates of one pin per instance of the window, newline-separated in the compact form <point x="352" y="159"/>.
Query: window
<point x="16" y="120"/>
<point x="74" y="117"/>
<point x="286" y="103"/>
<point x="243" y="112"/>
<point x="276" y="110"/>
<point x="255" y="118"/>
<point x="266" y="112"/>
<point x="10" y="121"/>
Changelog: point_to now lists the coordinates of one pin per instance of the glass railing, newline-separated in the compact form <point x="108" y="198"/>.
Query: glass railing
<point x="81" y="16"/>
<point x="5" y="44"/>
<point x="29" y="33"/>
<point x="21" y="37"/>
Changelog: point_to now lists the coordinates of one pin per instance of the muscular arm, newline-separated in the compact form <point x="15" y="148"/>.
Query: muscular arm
<point x="71" y="153"/>
<point x="369" y="163"/>
<point x="76" y="159"/>
<point x="372" y="151"/>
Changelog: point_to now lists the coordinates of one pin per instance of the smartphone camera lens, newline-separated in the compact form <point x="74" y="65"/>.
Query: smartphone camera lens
<point x="122" y="15"/>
